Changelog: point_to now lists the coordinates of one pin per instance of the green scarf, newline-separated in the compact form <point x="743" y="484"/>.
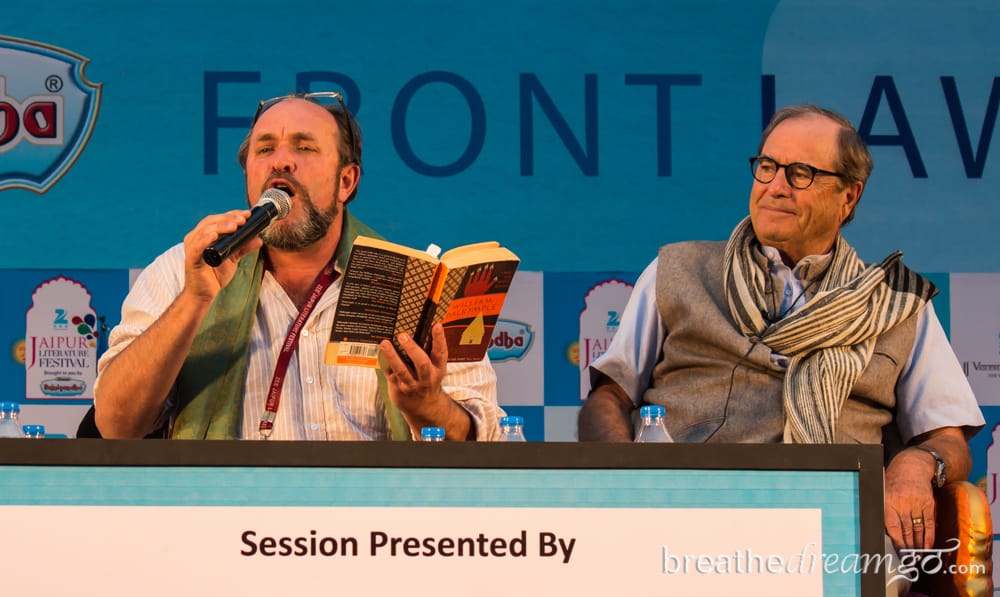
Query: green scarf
<point x="211" y="381"/>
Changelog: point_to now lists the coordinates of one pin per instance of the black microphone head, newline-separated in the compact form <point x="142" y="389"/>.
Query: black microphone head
<point x="273" y="204"/>
<point x="279" y="199"/>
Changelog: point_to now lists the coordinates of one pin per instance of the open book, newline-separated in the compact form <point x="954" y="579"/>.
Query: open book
<point x="389" y="288"/>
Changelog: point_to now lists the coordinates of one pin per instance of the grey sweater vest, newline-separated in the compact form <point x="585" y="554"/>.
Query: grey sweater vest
<point x="716" y="385"/>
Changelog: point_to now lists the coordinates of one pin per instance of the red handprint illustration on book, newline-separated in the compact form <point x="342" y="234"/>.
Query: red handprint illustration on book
<point x="480" y="281"/>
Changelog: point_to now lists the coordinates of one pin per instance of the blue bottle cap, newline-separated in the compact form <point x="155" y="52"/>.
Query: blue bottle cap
<point x="512" y="421"/>
<point x="652" y="410"/>
<point x="432" y="433"/>
<point x="33" y="430"/>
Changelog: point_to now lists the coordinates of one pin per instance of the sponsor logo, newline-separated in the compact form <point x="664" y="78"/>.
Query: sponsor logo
<point x="988" y="369"/>
<point x="63" y="387"/>
<point x="511" y="341"/>
<point x="47" y="112"/>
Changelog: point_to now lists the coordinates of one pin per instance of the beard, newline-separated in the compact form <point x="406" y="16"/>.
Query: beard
<point x="297" y="236"/>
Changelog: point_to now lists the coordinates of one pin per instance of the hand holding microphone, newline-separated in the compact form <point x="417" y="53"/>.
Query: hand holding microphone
<point x="274" y="204"/>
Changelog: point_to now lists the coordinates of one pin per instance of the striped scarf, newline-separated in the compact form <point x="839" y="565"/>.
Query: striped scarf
<point x="830" y="339"/>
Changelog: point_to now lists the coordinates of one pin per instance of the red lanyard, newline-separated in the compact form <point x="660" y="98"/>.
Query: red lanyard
<point x="325" y="279"/>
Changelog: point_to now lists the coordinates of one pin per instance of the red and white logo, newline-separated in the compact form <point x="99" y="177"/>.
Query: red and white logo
<point x="47" y="112"/>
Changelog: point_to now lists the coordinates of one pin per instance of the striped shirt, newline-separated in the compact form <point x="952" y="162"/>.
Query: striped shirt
<point x="318" y="401"/>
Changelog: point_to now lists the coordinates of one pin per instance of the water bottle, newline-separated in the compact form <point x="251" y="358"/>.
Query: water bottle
<point x="432" y="434"/>
<point x="8" y="419"/>
<point x="34" y="431"/>
<point x="653" y="427"/>
<point x="511" y="429"/>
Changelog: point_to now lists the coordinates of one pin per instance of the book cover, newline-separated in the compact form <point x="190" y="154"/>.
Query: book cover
<point x="390" y="288"/>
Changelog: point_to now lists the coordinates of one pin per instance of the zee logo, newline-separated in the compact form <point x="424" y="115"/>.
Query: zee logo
<point x="511" y="340"/>
<point x="47" y="112"/>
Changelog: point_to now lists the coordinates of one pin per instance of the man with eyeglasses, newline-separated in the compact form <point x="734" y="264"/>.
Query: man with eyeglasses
<point x="237" y="351"/>
<point x="782" y="334"/>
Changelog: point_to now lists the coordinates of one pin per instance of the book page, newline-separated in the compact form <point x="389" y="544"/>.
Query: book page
<point x="477" y="253"/>
<point x="378" y="243"/>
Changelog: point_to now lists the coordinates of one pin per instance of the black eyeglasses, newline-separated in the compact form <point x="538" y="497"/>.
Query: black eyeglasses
<point x="322" y="98"/>
<point x="799" y="175"/>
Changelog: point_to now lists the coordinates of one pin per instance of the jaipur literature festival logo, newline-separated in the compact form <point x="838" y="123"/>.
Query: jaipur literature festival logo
<point x="48" y="109"/>
<point x="990" y="484"/>
<point x="61" y="335"/>
<point x="599" y="320"/>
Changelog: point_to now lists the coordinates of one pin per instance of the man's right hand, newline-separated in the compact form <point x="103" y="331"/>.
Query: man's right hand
<point x="136" y="382"/>
<point x="202" y="281"/>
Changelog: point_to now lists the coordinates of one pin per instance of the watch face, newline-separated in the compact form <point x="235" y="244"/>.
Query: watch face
<point x="940" y="473"/>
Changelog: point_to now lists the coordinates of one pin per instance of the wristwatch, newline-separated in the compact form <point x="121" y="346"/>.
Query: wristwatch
<point x="940" y="473"/>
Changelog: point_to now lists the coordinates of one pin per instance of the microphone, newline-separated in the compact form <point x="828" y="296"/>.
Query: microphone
<point x="273" y="204"/>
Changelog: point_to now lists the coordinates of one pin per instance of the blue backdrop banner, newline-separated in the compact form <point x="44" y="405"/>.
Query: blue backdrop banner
<point x="580" y="136"/>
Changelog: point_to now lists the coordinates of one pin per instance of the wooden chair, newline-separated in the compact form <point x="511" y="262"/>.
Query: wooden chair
<point x="963" y="513"/>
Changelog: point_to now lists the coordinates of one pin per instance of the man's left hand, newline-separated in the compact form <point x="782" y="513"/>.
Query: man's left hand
<point x="416" y="390"/>
<point x="909" y="501"/>
<point x="909" y="494"/>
